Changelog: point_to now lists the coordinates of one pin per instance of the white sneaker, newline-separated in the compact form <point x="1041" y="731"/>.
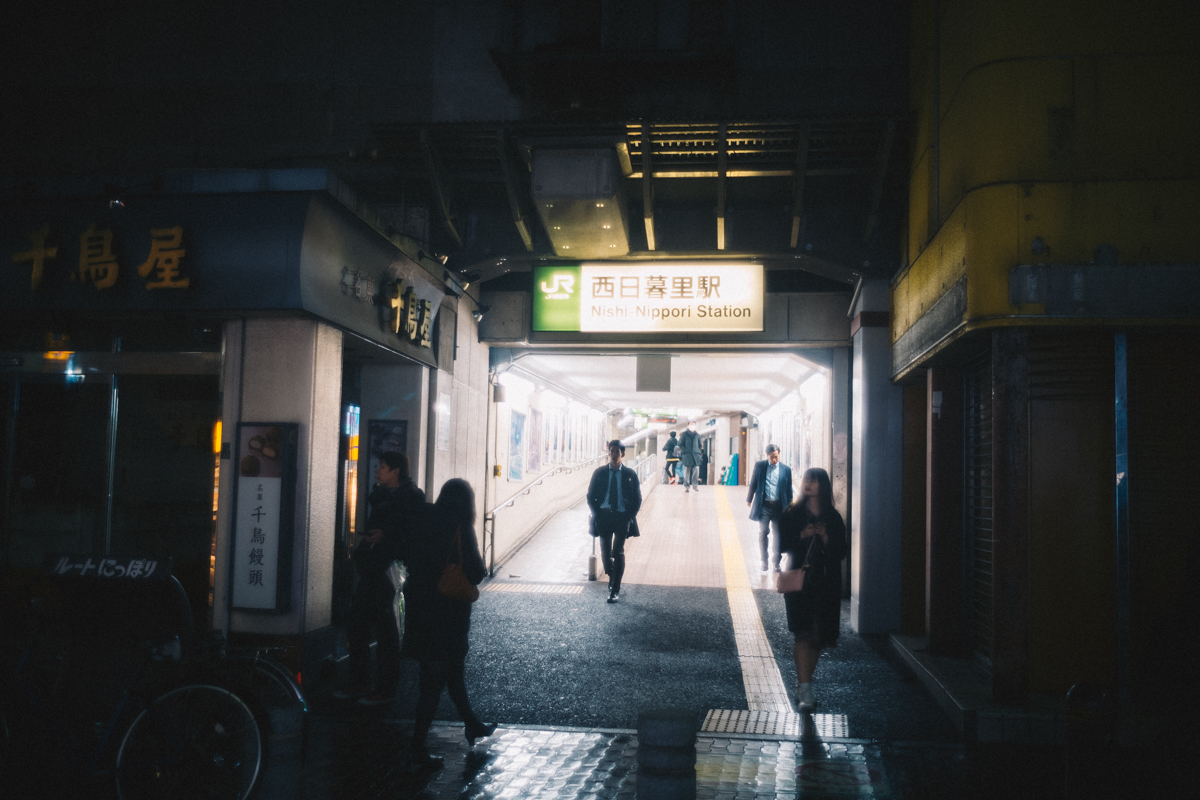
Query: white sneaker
<point x="805" y="699"/>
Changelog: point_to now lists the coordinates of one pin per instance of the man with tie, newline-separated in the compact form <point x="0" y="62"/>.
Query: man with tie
<point x="770" y="493"/>
<point x="614" y="496"/>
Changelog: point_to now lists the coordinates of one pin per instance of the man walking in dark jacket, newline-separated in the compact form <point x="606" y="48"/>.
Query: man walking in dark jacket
<point x="689" y="446"/>
<point x="614" y="496"/>
<point x="770" y="493"/>
<point x="393" y="503"/>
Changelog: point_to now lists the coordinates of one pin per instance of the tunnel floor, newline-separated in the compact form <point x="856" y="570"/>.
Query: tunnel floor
<point x="698" y="628"/>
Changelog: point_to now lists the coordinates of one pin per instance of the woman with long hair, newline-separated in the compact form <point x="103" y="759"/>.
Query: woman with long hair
<point x="812" y="532"/>
<point x="437" y="627"/>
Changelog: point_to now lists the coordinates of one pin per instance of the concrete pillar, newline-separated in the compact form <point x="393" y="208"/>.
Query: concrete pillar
<point x="944" y="510"/>
<point x="721" y="454"/>
<point x="839" y="421"/>
<point x="839" y="465"/>
<point x="875" y="499"/>
<point x="286" y="370"/>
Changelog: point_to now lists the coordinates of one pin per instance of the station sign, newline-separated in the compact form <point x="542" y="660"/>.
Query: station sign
<point x="648" y="298"/>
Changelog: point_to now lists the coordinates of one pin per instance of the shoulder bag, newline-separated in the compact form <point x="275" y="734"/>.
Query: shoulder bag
<point x="792" y="580"/>
<point x="454" y="582"/>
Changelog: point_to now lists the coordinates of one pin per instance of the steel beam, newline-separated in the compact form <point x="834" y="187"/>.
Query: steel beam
<point x="439" y="189"/>
<point x="511" y="185"/>
<point x="722" y="168"/>
<point x="881" y="165"/>
<point x="647" y="186"/>
<point x="798" y="185"/>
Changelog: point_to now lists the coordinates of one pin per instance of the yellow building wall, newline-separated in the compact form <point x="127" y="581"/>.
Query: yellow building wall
<point x="1077" y="123"/>
<point x="1074" y="122"/>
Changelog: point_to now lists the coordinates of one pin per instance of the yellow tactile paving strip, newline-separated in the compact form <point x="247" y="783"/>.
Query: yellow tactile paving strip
<point x="765" y="690"/>
<point x="773" y="723"/>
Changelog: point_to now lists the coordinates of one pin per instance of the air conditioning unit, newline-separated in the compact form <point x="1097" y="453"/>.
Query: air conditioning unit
<point x="579" y="197"/>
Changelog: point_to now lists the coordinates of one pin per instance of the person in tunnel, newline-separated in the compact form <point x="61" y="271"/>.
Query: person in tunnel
<point x="812" y="532"/>
<point x="437" y="627"/>
<point x="769" y="493"/>
<point x="614" y="496"/>
<point x="671" y="448"/>
<point x="689" y="446"/>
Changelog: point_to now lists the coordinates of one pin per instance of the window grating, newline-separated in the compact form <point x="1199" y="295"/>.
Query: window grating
<point x="979" y="505"/>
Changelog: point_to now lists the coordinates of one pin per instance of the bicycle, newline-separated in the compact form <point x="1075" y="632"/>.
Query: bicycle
<point x="129" y="701"/>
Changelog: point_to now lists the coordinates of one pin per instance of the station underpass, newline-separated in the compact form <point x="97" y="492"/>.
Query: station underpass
<point x="698" y="628"/>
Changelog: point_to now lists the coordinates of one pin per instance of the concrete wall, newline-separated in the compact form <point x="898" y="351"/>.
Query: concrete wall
<point x="468" y="390"/>
<point x="562" y="422"/>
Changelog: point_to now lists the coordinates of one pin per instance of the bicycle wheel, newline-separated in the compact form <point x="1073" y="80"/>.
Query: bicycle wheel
<point x="265" y="680"/>
<point x="194" y="741"/>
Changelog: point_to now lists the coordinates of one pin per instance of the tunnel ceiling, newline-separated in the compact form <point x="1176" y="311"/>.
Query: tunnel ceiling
<point x="831" y="188"/>
<point x="749" y="382"/>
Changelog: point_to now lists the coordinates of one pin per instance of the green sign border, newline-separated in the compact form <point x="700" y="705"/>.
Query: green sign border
<point x="556" y="314"/>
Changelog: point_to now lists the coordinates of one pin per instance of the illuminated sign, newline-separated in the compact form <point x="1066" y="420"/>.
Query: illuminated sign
<point x="264" y="516"/>
<point x="648" y="298"/>
<point x="98" y="265"/>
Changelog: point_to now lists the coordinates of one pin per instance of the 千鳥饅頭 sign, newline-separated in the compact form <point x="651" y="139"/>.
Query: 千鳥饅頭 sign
<point x="265" y="515"/>
<point x="648" y="298"/>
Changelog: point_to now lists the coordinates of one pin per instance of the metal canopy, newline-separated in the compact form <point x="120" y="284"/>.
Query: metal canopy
<point x="467" y="150"/>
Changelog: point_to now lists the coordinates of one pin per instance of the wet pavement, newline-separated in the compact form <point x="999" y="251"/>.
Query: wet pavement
<point x="565" y="675"/>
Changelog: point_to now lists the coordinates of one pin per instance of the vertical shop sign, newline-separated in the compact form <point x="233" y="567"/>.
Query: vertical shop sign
<point x="265" y="516"/>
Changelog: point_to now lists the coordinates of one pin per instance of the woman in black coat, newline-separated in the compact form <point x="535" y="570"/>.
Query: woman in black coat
<point x="813" y="614"/>
<point x="437" y="627"/>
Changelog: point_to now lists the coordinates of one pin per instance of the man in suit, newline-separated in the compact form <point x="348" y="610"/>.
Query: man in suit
<point x="689" y="446"/>
<point x="770" y="493"/>
<point x="614" y="496"/>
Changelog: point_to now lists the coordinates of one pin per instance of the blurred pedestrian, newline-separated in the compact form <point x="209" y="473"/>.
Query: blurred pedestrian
<point x="689" y="447"/>
<point x="812" y="532"/>
<point x="437" y="627"/>
<point x="394" y="502"/>
<point x="671" y="448"/>
<point x="614" y="496"/>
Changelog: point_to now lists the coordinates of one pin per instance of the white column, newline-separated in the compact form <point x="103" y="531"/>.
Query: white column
<point x="875" y="470"/>
<point x="286" y="370"/>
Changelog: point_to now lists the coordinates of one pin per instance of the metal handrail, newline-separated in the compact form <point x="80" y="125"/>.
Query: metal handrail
<point x="645" y="473"/>
<point x="563" y="468"/>
<point x="489" y="518"/>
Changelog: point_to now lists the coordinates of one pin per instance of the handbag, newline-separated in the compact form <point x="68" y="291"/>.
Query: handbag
<point x="454" y="583"/>
<point x="792" y="580"/>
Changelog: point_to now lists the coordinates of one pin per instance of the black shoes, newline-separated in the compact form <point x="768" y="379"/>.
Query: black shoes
<point x="478" y="730"/>
<point x="613" y="596"/>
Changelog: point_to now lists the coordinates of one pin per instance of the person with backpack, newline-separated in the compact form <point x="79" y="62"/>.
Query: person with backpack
<point x="673" y="451"/>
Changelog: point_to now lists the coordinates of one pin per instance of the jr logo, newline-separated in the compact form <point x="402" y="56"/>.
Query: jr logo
<point x="560" y="288"/>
